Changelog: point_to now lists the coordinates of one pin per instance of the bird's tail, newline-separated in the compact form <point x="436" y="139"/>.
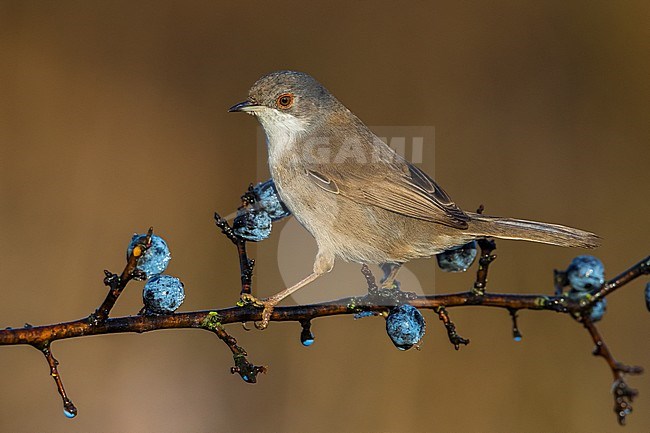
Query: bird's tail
<point x="510" y="228"/>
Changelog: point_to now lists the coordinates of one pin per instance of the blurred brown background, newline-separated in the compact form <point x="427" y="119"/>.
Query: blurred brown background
<point x="113" y="118"/>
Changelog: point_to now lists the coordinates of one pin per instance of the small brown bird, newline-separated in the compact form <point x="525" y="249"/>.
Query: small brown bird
<point x="360" y="200"/>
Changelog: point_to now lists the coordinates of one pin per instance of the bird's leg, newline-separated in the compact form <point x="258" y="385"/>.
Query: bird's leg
<point x="390" y="272"/>
<point x="270" y="302"/>
<point x="323" y="264"/>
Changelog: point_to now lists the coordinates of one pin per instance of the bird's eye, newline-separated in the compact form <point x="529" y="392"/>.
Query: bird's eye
<point x="285" y="101"/>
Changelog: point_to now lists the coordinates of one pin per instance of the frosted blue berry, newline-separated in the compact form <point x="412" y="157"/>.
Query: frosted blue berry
<point x="155" y="259"/>
<point x="457" y="259"/>
<point x="585" y="273"/>
<point x="647" y="296"/>
<point x="405" y="326"/>
<point x="163" y="294"/>
<point x="598" y="310"/>
<point x="252" y="224"/>
<point x="268" y="199"/>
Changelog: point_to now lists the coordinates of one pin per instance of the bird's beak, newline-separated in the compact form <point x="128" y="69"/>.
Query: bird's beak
<point x="245" y="106"/>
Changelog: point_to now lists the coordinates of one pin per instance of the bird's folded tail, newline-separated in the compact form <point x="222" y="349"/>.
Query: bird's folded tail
<point x="510" y="228"/>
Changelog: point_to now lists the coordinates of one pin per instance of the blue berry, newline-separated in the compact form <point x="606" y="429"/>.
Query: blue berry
<point x="155" y="258"/>
<point x="268" y="199"/>
<point x="598" y="310"/>
<point x="252" y="224"/>
<point x="163" y="294"/>
<point x="647" y="296"/>
<point x="586" y="273"/>
<point x="457" y="259"/>
<point x="405" y="326"/>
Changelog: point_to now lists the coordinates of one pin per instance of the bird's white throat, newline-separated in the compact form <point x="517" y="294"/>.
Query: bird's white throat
<point x="282" y="129"/>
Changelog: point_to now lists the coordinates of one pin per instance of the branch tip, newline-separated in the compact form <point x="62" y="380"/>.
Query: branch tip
<point x="69" y="409"/>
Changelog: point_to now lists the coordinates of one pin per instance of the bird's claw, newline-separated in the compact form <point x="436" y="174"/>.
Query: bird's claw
<point x="267" y="305"/>
<point x="247" y="299"/>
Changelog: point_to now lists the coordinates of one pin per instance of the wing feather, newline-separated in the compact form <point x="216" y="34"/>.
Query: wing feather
<point x="397" y="186"/>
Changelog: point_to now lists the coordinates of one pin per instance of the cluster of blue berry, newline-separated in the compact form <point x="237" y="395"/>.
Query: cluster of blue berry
<point x="254" y="223"/>
<point x="162" y="294"/>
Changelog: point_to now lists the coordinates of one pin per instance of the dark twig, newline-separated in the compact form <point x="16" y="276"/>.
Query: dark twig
<point x="68" y="407"/>
<point x="623" y="394"/>
<point x="370" y="280"/>
<point x="246" y="265"/>
<point x="245" y="369"/>
<point x="516" y="335"/>
<point x="485" y="258"/>
<point x="454" y="338"/>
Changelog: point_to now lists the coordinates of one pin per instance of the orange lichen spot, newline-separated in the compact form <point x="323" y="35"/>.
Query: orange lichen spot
<point x="137" y="251"/>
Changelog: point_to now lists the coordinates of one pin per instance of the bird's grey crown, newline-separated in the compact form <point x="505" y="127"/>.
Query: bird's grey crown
<point x="311" y="98"/>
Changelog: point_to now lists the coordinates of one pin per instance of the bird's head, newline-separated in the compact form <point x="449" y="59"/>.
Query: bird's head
<point x="287" y="103"/>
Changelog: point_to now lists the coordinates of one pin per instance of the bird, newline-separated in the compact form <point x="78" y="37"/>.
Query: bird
<point x="360" y="200"/>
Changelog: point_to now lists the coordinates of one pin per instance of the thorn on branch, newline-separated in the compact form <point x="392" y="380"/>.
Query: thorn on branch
<point x="455" y="339"/>
<point x="633" y="370"/>
<point x="516" y="335"/>
<point x="69" y="408"/>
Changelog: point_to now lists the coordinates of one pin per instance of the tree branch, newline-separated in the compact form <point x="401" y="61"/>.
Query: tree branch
<point x="34" y="335"/>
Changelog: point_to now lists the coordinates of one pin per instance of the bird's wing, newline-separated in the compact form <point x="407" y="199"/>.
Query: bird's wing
<point x="396" y="185"/>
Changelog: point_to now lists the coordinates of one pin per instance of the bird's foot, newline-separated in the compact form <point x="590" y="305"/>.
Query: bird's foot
<point x="391" y="285"/>
<point x="268" y="305"/>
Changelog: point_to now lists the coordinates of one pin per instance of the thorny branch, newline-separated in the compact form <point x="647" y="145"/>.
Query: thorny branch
<point x="623" y="394"/>
<point x="378" y="301"/>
